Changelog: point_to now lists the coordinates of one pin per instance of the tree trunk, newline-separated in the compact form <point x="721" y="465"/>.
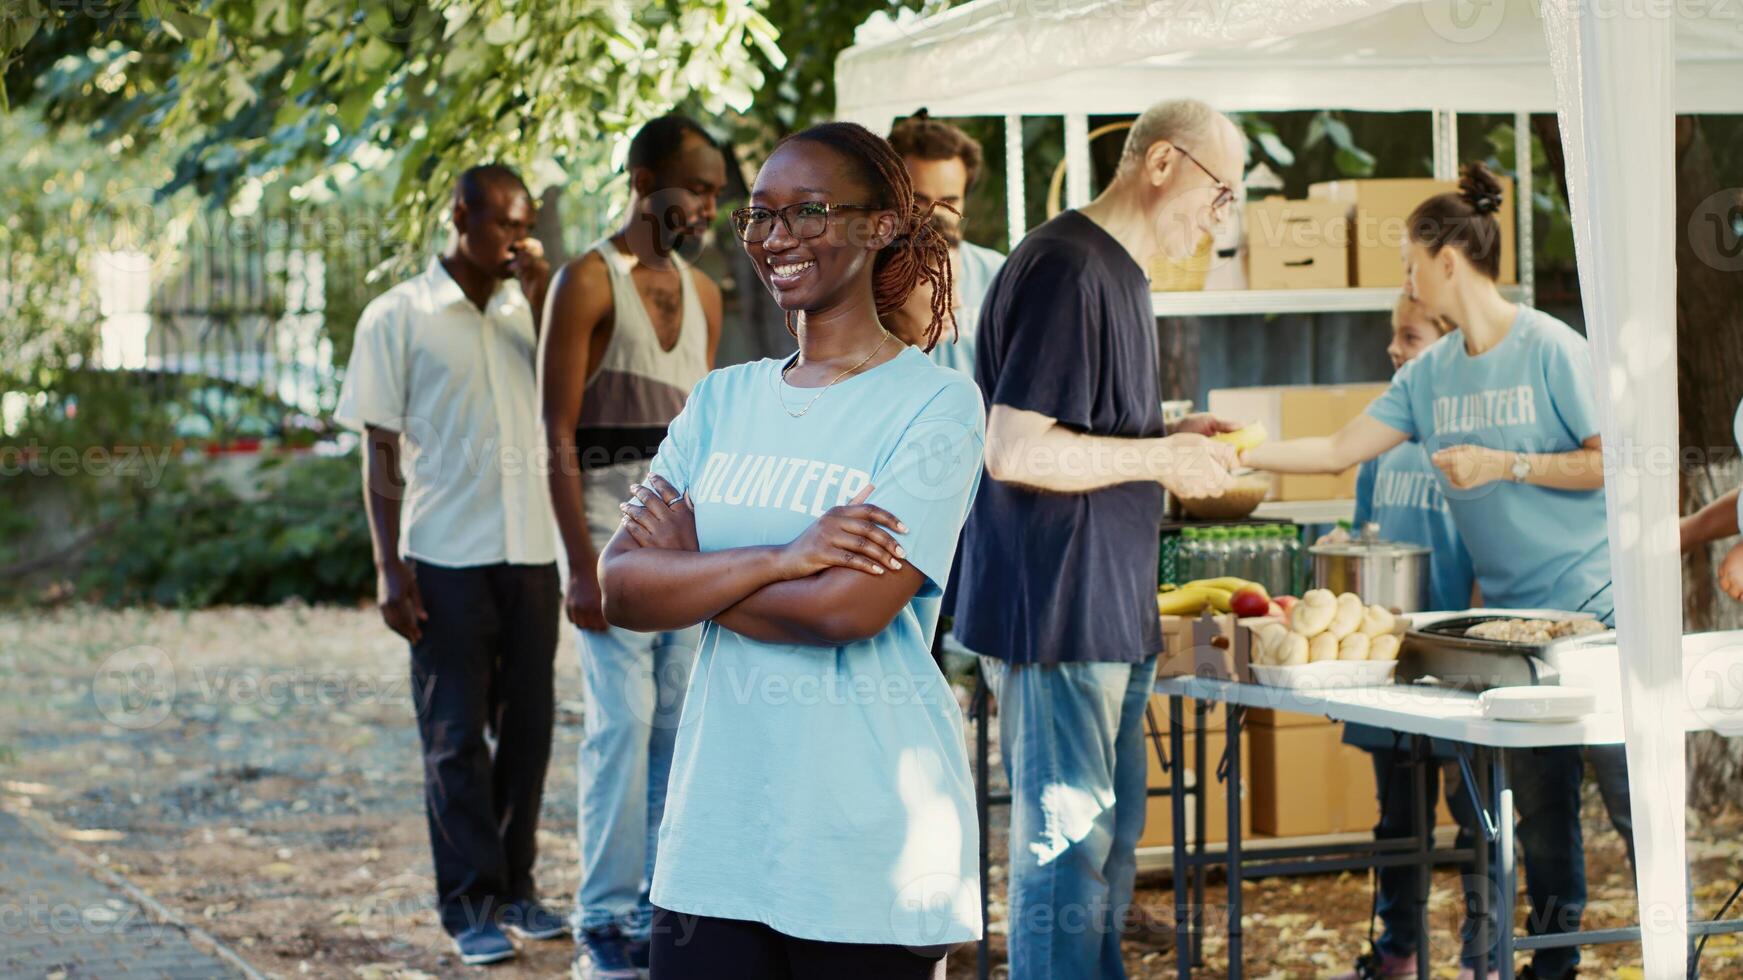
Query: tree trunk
<point x="1709" y="338"/>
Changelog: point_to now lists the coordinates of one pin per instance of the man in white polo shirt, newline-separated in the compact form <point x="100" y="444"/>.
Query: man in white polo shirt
<point x="441" y="384"/>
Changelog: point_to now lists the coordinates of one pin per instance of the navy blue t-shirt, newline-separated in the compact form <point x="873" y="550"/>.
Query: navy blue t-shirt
<point x="1068" y="331"/>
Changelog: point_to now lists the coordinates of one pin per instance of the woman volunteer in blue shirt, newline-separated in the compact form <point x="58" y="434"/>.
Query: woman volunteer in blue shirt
<point x="1505" y="409"/>
<point x="820" y="819"/>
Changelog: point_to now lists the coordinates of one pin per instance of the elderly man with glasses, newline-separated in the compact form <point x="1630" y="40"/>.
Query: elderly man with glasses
<point x="1058" y="581"/>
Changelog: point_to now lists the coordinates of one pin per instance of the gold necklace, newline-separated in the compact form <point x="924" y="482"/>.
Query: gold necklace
<point x="800" y="413"/>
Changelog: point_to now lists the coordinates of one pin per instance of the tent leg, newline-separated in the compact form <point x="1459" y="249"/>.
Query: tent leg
<point x="1077" y="166"/>
<point x="1523" y="248"/>
<point x="1446" y="145"/>
<point x="1016" y="207"/>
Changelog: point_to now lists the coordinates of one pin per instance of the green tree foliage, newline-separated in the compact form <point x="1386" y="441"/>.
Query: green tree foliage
<point x="260" y="90"/>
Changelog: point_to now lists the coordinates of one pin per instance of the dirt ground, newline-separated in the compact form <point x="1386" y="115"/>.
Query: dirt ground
<point x="256" y="770"/>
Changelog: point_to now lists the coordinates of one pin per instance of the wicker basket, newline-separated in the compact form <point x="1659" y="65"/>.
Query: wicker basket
<point x="1237" y="502"/>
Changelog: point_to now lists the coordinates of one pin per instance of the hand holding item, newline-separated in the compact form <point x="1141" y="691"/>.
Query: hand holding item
<point x="1468" y="467"/>
<point x="1336" y="535"/>
<point x="529" y="266"/>
<point x="658" y="516"/>
<point x="853" y="536"/>
<point x="1197" y="467"/>
<point x="1731" y="572"/>
<point x="1205" y="424"/>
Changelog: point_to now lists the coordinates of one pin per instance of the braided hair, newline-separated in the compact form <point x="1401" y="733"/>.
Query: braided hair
<point x="918" y="253"/>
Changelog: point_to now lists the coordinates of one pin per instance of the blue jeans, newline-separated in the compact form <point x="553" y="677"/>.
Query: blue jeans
<point x="1073" y="742"/>
<point x="1546" y="802"/>
<point x="633" y="685"/>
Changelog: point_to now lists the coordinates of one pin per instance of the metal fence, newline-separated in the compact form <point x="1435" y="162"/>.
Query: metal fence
<point x="235" y="327"/>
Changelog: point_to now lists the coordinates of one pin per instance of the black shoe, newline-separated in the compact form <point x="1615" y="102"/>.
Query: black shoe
<point x="527" y="919"/>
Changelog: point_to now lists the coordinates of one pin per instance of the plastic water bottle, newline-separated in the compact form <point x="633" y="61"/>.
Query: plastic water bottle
<point x="1218" y="554"/>
<point x="1246" y="554"/>
<point x="1186" y="557"/>
<point x="1292" y="558"/>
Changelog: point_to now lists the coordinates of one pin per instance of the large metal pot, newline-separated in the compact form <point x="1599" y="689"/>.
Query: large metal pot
<point x="1384" y="573"/>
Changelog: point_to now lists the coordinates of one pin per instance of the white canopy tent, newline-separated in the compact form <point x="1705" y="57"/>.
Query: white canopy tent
<point x="996" y="57"/>
<point x="1615" y="73"/>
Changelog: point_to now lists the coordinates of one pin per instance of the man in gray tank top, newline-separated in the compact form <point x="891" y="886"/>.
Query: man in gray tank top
<point x="630" y="328"/>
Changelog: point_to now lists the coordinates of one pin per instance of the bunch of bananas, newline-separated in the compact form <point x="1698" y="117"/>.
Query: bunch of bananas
<point x="1216" y="594"/>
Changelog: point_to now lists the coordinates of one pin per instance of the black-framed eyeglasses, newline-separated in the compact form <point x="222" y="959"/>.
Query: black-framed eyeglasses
<point x="807" y="219"/>
<point x="1224" y="193"/>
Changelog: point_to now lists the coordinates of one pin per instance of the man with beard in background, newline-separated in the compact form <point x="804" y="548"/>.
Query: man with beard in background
<point x="630" y="328"/>
<point x="944" y="162"/>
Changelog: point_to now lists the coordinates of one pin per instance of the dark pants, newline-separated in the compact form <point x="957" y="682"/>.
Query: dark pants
<point x="689" y="946"/>
<point x="1397" y="901"/>
<point x="1546" y="795"/>
<point x="482" y="682"/>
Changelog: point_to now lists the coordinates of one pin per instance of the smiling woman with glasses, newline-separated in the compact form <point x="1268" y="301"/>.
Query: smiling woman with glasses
<point x="807" y="219"/>
<point x="820" y="822"/>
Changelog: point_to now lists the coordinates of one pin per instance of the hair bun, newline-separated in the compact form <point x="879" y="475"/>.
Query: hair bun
<point x="1479" y="188"/>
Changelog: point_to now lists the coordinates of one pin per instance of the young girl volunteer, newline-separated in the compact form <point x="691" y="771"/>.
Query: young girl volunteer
<point x="1505" y="408"/>
<point x="820" y="819"/>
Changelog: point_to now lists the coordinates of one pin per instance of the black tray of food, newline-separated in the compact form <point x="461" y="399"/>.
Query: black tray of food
<point x="1456" y="633"/>
<point x="1446" y="651"/>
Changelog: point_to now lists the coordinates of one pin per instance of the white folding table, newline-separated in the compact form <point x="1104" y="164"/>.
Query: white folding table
<point x="1439" y="713"/>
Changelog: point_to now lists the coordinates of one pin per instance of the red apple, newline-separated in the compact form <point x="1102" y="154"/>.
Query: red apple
<point x="1249" y="602"/>
<point x="1286" y="603"/>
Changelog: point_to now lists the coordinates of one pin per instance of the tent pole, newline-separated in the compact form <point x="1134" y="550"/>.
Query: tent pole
<point x="1446" y="144"/>
<point x="1522" y="195"/>
<point x="1077" y="175"/>
<point x="1016" y="209"/>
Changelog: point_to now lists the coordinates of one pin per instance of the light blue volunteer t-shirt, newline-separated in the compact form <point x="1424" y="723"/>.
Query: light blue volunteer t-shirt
<point x="1531" y="546"/>
<point x="1400" y="491"/>
<point x="825" y="792"/>
<point x="976" y="267"/>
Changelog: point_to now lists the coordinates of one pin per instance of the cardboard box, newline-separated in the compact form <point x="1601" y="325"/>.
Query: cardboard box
<point x="1297" y="244"/>
<point x="1158" y="818"/>
<point x="1208" y="645"/>
<point x="1298" y="411"/>
<point x="1306" y="782"/>
<point x="1361" y="801"/>
<point x="1379" y="210"/>
<point x="1188" y="647"/>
